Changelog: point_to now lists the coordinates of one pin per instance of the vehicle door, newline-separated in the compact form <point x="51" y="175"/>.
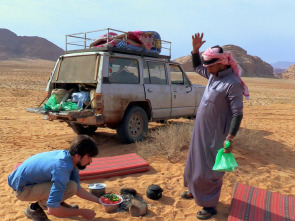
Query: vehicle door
<point x="157" y="89"/>
<point x="121" y="86"/>
<point x="183" y="94"/>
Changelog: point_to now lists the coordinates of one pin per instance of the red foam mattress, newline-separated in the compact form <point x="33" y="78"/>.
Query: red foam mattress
<point x="112" y="166"/>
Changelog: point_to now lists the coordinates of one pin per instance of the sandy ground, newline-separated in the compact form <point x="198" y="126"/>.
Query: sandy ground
<point x="265" y="156"/>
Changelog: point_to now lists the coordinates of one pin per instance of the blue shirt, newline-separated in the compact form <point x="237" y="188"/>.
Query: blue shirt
<point x="54" y="166"/>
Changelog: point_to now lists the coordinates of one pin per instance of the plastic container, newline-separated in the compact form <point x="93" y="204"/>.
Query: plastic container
<point x="97" y="189"/>
<point x="80" y="105"/>
<point x="109" y="208"/>
<point x="75" y="97"/>
<point x="84" y="96"/>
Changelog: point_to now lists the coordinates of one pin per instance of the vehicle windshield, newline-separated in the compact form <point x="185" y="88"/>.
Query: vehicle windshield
<point x="77" y="69"/>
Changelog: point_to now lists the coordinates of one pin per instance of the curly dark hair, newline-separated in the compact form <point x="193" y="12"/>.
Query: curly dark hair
<point x="83" y="145"/>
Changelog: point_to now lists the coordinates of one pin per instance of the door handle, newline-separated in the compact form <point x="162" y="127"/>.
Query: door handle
<point x="190" y="90"/>
<point x="175" y="90"/>
<point x="150" y="90"/>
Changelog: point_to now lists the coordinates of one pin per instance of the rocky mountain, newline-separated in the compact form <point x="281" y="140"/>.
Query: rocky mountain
<point x="279" y="71"/>
<point x="252" y="66"/>
<point x="280" y="67"/>
<point x="15" y="47"/>
<point x="282" y="64"/>
<point x="289" y="73"/>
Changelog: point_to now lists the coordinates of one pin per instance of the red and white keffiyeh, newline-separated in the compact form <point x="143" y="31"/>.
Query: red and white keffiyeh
<point x="226" y="58"/>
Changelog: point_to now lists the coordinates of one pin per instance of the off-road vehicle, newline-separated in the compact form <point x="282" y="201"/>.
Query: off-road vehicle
<point x="127" y="88"/>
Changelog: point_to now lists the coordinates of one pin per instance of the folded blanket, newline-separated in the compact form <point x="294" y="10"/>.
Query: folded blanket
<point x="147" y="41"/>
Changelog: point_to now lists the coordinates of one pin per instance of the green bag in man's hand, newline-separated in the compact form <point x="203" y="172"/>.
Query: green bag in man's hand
<point x="225" y="162"/>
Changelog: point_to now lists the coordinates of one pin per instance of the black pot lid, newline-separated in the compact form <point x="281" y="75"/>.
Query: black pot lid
<point x="155" y="188"/>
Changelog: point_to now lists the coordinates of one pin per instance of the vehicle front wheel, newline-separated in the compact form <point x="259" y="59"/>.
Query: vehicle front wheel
<point x="134" y="125"/>
<point x="83" y="129"/>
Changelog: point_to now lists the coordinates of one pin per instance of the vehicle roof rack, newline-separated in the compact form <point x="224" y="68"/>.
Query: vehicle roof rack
<point x="80" y="42"/>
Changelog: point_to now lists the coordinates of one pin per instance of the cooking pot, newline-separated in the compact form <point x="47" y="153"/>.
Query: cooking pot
<point x="154" y="192"/>
<point x="97" y="189"/>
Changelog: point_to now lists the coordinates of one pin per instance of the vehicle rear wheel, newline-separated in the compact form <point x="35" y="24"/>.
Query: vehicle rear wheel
<point x="162" y="121"/>
<point x="83" y="129"/>
<point x="134" y="125"/>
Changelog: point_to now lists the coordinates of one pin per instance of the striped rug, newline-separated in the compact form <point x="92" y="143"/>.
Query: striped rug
<point x="254" y="204"/>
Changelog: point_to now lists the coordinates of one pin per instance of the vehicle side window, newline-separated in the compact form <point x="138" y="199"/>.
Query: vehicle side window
<point x="157" y="73"/>
<point x="123" y="70"/>
<point x="177" y="76"/>
<point x="146" y="74"/>
<point x="186" y="81"/>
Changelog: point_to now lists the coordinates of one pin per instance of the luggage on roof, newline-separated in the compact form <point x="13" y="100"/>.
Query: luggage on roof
<point x="146" y="41"/>
<point x="143" y="42"/>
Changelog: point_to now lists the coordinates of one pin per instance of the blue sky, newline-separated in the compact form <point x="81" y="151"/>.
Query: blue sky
<point x="264" y="28"/>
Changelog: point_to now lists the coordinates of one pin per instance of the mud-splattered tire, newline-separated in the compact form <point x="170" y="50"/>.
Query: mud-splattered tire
<point x="134" y="125"/>
<point x="83" y="129"/>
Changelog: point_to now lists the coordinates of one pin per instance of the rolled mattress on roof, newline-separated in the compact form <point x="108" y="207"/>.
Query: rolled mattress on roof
<point x="140" y="41"/>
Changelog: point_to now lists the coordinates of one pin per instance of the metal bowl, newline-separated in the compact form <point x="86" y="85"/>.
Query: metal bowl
<point x="109" y="208"/>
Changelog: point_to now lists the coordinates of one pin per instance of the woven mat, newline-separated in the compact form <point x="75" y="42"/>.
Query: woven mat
<point x="254" y="204"/>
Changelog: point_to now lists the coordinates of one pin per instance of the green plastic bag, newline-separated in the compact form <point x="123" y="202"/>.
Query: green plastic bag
<point x="69" y="106"/>
<point x="52" y="104"/>
<point x="225" y="162"/>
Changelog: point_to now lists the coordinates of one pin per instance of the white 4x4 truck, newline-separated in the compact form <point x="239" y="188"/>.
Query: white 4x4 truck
<point x="127" y="89"/>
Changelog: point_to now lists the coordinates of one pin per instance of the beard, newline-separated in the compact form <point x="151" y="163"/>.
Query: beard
<point x="80" y="167"/>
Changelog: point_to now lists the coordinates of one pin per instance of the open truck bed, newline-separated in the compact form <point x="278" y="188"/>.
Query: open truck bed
<point x="86" y="116"/>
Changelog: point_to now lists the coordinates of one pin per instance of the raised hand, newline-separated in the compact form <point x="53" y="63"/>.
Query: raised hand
<point x="197" y="42"/>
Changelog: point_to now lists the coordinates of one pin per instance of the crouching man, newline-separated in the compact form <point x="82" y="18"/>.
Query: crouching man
<point x="50" y="178"/>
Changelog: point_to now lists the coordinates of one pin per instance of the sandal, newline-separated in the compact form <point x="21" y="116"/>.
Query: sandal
<point x="187" y="195"/>
<point x="36" y="214"/>
<point x="206" y="213"/>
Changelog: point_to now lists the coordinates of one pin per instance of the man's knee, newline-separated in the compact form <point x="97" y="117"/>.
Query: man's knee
<point x="72" y="188"/>
<point x="19" y="195"/>
<point x="34" y="192"/>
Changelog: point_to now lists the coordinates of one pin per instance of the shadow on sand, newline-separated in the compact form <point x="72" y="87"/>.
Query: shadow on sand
<point x="254" y="147"/>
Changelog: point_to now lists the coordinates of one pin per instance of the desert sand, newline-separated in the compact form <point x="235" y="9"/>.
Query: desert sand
<point x="265" y="149"/>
